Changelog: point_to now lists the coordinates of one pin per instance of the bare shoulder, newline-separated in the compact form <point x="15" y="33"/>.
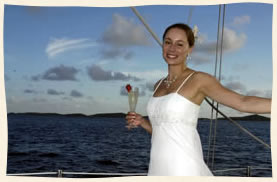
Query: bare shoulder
<point x="204" y="78"/>
<point x="202" y="75"/>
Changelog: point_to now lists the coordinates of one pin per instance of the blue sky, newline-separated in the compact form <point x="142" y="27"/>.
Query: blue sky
<point x="79" y="59"/>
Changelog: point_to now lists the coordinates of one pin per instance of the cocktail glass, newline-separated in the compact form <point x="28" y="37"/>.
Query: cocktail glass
<point x="133" y="99"/>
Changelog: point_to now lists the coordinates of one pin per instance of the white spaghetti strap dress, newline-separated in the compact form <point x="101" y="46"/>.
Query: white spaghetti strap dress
<point x="175" y="144"/>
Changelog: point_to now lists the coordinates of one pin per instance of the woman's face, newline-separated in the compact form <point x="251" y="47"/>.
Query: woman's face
<point x="175" y="46"/>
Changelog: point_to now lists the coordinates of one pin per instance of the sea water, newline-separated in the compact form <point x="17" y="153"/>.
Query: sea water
<point x="48" y="143"/>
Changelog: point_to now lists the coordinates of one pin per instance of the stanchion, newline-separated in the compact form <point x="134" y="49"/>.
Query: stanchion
<point x="60" y="173"/>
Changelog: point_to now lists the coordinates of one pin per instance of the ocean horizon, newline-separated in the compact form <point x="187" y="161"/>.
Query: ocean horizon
<point x="250" y="117"/>
<point x="51" y="142"/>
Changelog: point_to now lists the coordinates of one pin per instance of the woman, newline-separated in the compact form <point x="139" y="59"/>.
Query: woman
<point x="173" y="109"/>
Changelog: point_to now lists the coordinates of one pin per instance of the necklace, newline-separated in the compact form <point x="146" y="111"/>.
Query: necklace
<point x="169" y="82"/>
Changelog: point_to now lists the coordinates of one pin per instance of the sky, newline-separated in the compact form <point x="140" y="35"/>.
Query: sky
<point x="79" y="59"/>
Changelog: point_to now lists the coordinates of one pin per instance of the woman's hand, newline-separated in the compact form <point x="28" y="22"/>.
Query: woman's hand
<point x="133" y="120"/>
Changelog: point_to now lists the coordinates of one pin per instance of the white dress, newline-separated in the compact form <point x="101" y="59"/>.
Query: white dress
<point x="176" y="147"/>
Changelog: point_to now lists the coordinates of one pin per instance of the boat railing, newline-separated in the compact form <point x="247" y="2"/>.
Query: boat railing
<point x="248" y="170"/>
<point x="60" y="173"/>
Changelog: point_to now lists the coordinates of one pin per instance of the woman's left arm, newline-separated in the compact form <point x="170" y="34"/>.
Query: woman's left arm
<point x="210" y="87"/>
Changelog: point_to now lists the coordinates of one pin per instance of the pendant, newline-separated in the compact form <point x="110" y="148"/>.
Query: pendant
<point x="169" y="82"/>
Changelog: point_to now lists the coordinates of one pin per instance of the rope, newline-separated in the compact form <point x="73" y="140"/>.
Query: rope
<point x="221" y="47"/>
<point x="225" y="170"/>
<point x="219" y="78"/>
<point x="190" y="15"/>
<point x="239" y="126"/>
<point x="146" y="26"/>
<point x="215" y="73"/>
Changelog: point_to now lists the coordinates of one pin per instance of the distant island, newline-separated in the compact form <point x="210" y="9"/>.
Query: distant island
<point x="107" y="115"/>
<point x="254" y="117"/>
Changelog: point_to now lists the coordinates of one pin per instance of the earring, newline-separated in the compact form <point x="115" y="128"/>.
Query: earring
<point x="188" y="57"/>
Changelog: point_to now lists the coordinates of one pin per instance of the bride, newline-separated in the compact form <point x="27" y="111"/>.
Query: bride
<point x="173" y="109"/>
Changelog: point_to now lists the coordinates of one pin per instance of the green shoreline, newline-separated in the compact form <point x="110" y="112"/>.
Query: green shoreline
<point x="253" y="117"/>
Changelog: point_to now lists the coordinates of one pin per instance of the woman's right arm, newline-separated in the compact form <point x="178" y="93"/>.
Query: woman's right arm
<point x="134" y="120"/>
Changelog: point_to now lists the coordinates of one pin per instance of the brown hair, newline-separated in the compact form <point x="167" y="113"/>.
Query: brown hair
<point x="186" y="29"/>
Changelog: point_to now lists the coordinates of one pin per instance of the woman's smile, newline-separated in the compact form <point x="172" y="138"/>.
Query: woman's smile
<point x="171" y="56"/>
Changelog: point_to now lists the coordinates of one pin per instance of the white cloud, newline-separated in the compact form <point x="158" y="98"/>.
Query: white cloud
<point x="124" y="32"/>
<point x="58" y="73"/>
<point x="150" y="86"/>
<point x="115" y="53"/>
<point x="201" y="38"/>
<point x="240" y="20"/>
<point x="199" y="59"/>
<point x="260" y="93"/>
<point x="232" y="41"/>
<point x="151" y="76"/>
<point x="30" y="91"/>
<point x="240" y="67"/>
<point x="58" y="46"/>
<point x="39" y="100"/>
<point x="54" y="92"/>
<point x="97" y="73"/>
<point x="76" y="94"/>
<point x="236" y="85"/>
<point x="13" y="100"/>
